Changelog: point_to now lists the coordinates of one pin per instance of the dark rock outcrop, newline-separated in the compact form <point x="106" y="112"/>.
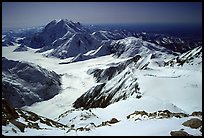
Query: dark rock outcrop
<point x="19" y="125"/>
<point x="159" y="114"/>
<point x="193" y="123"/>
<point x="179" y="133"/>
<point x="21" y="48"/>
<point x="197" y="113"/>
<point x="113" y="121"/>
<point x="31" y="120"/>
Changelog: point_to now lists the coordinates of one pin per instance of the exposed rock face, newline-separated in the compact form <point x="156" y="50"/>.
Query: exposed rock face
<point x="159" y="115"/>
<point x="109" y="122"/>
<point x="18" y="124"/>
<point x="21" y="48"/>
<point x="179" y="133"/>
<point x="91" y="94"/>
<point x="25" y="83"/>
<point x="31" y="120"/>
<point x="113" y="121"/>
<point x="193" y="123"/>
<point x="8" y="112"/>
<point x="197" y="113"/>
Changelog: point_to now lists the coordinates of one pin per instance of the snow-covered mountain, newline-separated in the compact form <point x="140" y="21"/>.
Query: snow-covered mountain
<point x="111" y="82"/>
<point x="20" y="36"/>
<point x="191" y="57"/>
<point x="170" y="42"/>
<point x="25" y="83"/>
<point x="70" y="39"/>
<point x="79" y="43"/>
<point x="116" y="83"/>
<point x="131" y="46"/>
<point x="55" y="30"/>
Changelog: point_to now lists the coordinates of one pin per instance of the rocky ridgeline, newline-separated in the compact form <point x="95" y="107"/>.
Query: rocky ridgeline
<point x="186" y="58"/>
<point x="25" y="119"/>
<point x="138" y="115"/>
<point x="194" y="123"/>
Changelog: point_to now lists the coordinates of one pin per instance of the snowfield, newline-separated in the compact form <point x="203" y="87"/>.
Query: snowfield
<point x="176" y="89"/>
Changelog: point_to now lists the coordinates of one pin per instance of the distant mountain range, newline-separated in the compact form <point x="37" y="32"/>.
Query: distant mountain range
<point x="70" y="39"/>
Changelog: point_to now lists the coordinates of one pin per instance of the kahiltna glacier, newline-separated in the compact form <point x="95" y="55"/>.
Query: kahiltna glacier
<point x="67" y="79"/>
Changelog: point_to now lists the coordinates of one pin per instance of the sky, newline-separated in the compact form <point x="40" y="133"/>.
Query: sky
<point x="28" y="14"/>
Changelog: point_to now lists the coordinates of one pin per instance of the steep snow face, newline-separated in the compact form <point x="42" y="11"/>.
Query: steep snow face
<point x="131" y="46"/>
<point x="25" y="83"/>
<point x="55" y="30"/>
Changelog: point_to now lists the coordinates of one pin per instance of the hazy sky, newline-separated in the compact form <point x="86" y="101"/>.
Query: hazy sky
<point x="26" y="14"/>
